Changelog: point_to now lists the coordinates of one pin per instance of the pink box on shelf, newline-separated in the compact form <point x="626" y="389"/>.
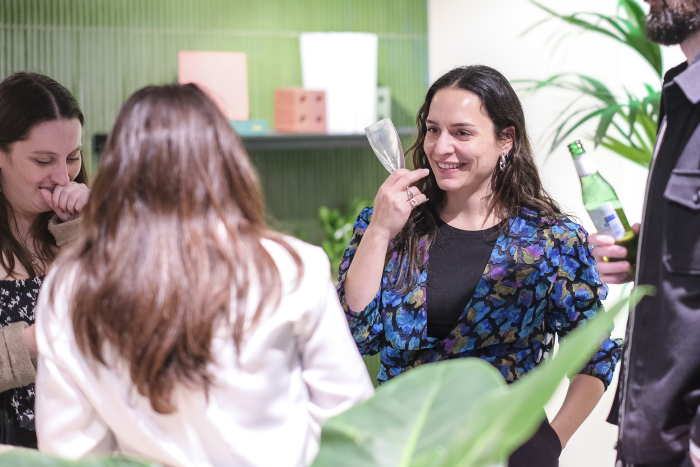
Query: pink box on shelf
<point x="298" y="110"/>
<point x="222" y="75"/>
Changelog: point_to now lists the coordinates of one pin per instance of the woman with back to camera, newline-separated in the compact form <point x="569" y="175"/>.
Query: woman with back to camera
<point x="179" y="328"/>
<point x="42" y="192"/>
<point x="467" y="256"/>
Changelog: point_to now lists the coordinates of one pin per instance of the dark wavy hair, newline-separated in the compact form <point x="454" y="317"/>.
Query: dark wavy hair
<point x="172" y="245"/>
<point x="516" y="187"/>
<point x="27" y="99"/>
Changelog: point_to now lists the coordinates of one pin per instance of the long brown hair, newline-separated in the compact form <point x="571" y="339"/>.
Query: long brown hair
<point x="172" y="245"/>
<point x="517" y="186"/>
<point x="27" y="99"/>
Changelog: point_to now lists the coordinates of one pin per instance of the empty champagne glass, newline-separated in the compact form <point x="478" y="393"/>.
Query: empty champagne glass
<point x="386" y="144"/>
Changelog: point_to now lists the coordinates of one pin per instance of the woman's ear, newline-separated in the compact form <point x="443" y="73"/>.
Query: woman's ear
<point x="507" y="139"/>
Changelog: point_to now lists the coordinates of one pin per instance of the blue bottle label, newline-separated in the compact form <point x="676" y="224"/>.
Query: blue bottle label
<point x="607" y="221"/>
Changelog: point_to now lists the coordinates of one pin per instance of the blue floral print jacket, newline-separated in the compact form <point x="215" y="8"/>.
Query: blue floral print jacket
<point x="541" y="279"/>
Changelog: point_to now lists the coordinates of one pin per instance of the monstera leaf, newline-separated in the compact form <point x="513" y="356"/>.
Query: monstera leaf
<point x="456" y="413"/>
<point x="32" y="458"/>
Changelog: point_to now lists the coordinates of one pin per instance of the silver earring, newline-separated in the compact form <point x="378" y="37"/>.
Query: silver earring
<point x="502" y="161"/>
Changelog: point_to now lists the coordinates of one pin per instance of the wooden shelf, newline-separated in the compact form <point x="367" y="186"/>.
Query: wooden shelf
<point x="313" y="141"/>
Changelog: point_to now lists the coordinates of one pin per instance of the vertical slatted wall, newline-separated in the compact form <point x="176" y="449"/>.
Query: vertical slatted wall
<point x="103" y="50"/>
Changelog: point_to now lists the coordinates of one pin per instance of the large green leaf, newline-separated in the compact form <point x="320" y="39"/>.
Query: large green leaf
<point x="32" y="458"/>
<point x="507" y="417"/>
<point x="373" y="365"/>
<point x="410" y="419"/>
<point x="456" y="413"/>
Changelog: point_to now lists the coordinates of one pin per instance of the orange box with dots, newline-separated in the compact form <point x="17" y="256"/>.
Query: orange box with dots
<point x="298" y="110"/>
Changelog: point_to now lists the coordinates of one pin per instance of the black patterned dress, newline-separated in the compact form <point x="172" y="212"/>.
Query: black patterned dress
<point x="18" y="303"/>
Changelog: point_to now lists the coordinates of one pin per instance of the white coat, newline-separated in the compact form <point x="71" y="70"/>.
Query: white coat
<point x="297" y="367"/>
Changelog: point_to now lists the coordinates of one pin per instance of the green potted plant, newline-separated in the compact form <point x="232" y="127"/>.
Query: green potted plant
<point x="626" y="124"/>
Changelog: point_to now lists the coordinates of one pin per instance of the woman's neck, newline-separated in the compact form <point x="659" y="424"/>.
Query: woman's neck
<point x="22" y="228"/>
<point x="468" y="211"/>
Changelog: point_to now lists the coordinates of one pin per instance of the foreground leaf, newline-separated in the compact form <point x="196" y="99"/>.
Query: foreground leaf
<point x="507" y="418"/>
<point x="32" y="458"/>
<point x="455" y="413"/>
<point x="409" y="417"/>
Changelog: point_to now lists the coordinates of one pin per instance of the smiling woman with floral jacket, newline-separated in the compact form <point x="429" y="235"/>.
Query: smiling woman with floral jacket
<point x="540" y="280"/>
<point x="468" y="256"/>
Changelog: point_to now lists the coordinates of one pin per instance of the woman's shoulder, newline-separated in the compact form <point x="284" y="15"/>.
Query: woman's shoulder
<point x="313" y="258"/>
<point x="560" y="225"/>
<point x="57" y="291"/>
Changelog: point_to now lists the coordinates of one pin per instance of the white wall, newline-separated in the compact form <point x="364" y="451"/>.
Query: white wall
<point x="490" y="32"/>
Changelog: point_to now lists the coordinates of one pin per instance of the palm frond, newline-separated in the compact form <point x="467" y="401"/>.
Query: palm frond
<point x="584" y="84"/>
<point x="626" y="125"/>
<point x="562" y="133"/>
<point x="606" y="118"/>
<point x="634" y="11"/>
<point x="633" y="154"/>
<point x="626" y="30"/>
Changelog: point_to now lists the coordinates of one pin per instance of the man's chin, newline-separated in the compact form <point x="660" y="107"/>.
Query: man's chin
<point x="670" y="27"/>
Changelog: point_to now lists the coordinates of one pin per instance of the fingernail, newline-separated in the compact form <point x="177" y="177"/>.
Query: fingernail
<point x="427" y="171"/>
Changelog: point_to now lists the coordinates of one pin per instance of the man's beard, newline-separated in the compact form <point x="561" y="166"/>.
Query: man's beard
<point x="669" y="26"/>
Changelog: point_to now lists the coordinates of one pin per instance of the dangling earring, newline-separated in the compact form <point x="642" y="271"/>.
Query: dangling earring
<point x="502" y="162"/>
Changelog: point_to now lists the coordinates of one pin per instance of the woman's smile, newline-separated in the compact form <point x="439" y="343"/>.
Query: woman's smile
<point x="449" y="167"/>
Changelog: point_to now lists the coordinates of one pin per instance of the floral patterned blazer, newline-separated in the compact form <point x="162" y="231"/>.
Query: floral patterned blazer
<point x="540" y="280"/>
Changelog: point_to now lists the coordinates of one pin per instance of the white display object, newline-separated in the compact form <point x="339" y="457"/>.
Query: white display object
<point x="344" y="64"/>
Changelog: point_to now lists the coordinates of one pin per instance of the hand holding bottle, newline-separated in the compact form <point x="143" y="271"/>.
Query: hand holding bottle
<point x="604" y="249"/>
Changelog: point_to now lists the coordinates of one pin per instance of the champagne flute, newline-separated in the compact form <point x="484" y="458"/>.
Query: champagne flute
<point x="386" y="144"/>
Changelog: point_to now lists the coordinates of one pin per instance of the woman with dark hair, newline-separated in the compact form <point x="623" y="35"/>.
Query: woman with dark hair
<point x="42" y="193"/>
<point x="179" y="327"/>
<point x="467" y="256"/>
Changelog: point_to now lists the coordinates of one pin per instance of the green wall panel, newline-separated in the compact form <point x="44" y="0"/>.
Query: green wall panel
<point x="297" y="183"/>
<point x="104" y="50"/>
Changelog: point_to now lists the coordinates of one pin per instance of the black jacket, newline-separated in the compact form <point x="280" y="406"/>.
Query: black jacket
<point x="659" y="388"/>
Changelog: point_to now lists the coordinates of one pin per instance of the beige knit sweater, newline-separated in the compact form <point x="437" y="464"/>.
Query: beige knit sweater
<point x="16" y="367"/>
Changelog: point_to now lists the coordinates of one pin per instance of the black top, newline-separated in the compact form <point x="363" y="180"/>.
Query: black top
<point x="659" y="391"/>
<point x="18" y="303"/>
<point x="456" y="261"/>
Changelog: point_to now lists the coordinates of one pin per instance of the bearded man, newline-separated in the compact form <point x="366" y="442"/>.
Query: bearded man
<point x="658" y="400"/>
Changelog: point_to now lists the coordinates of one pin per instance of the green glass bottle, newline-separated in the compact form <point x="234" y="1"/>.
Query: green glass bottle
<point x="602" y="203"/>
